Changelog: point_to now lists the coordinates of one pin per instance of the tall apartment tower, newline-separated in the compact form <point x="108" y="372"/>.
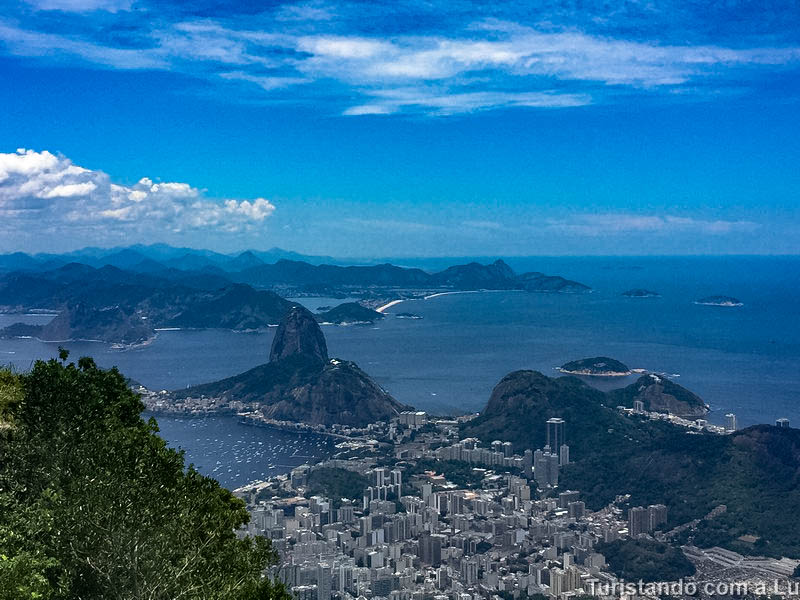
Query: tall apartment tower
<point x="656" y="515"/>
<point x="430" y="549"/>
<point x="638" y="520"/>
<point x="563" y="455"/>
<point x="324" y="580"/>
<point x="508" y="449"/>
<point x="555" y="433"/>
<point x="730" y="422"/>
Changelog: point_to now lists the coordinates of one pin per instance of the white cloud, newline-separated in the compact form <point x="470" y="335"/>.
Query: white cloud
<point x="489" y="65"/>
<point x="442" y="102"/>
<point x="46" y="189"/>
<point x="265" y="82"/>
<point x="313" y="11"/>
<point x="23" y="42"/>
<point x="81" y="5"/>
<point x="611" y="224"/>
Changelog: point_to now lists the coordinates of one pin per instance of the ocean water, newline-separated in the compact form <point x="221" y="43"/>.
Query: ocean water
<point x="236" y="454"/>
<point x="744" y="360"/>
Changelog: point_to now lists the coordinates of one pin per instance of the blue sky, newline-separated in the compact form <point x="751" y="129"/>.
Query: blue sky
<point x="402" y="128"/>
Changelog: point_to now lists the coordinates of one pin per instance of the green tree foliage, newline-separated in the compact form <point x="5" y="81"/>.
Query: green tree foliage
<point x="336" y="483"/>
<point x="93" y="504"/>
<point x="645" y="559"/>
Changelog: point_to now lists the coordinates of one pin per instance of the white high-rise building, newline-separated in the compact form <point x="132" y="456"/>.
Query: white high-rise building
<point x="730" y="422"/>
<point x="563" y="455"/>
<point x="555" y="433"/>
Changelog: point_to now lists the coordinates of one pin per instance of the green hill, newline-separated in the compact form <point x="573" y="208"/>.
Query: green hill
<point x="660" y="395"/>
<point x="754" y="472"/>
<point x="647" y="560"/>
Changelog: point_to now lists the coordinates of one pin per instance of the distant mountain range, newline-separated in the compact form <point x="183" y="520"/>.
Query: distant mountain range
<point x="154" y="287"/>
<point x="155" y="257"/>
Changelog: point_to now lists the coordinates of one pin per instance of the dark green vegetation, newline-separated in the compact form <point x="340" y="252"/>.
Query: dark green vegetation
<point x="301" y="384"/>
<point x="754" y="472"/>
<point x="336" y="483"/>
<point x="597" y="365"/>
<point x="463" y="474"/>
<point x="645" y="559"/>
<point x="349" y="312"/>
<point x="660" y="395"/>
<point x="640" y="293"/>
<point x="94" y="505"/>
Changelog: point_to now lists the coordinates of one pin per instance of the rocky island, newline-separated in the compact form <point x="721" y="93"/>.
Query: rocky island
<point x="301" y="383"/>
<point x="349" y="313"/>
<point x="719" y="301"/>
<point x="598" y="366"/>
<point x="640" y="293"/>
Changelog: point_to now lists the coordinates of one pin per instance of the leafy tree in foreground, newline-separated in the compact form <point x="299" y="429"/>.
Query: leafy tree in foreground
<point x="93" y="504"/>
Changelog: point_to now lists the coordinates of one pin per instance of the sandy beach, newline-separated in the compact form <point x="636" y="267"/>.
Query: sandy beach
<point x="380" y="309"/>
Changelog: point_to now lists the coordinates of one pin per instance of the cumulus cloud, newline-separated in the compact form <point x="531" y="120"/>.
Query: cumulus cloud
<point x="610" y="224"/>
<point x="46" y="189"/>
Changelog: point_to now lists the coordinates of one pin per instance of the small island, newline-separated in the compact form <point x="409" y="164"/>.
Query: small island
<point x="407" y="315"/>
<point x="640" y="293"/>
<point x="598" y="366"/>
<point x="719" y="301"/>
<point x="349" y="313"/>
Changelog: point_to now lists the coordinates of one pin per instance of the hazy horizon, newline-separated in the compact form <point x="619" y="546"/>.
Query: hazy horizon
<point x="488" y="256"/>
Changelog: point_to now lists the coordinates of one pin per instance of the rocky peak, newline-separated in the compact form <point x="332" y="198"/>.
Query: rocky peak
<point x="299" y="334"/>
<point x="502" y="269"/>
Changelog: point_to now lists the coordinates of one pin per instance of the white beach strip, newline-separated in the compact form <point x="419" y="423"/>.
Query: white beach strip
<point x="380" y="309"/>
<point x="437" y="294"/>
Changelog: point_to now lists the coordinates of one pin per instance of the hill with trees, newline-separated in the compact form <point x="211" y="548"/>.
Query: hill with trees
<point x="755" y="472"/>
<point x="645" y="560"/>
<point x="93" y="504"/>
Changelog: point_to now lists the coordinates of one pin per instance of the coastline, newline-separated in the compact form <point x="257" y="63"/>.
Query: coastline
<point x="381" y="309"/>
<point x="587" y="373"/>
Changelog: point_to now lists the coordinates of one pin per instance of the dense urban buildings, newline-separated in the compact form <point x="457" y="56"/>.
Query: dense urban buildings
<point x="443" y="517"/>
